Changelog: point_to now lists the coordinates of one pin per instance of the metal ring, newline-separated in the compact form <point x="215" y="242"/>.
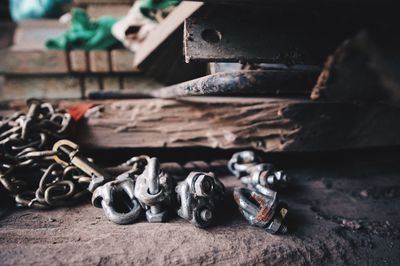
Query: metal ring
<point x="63" y="142"/>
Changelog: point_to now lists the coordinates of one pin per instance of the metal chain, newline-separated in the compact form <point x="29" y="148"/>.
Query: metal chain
<point x="27" y="169"/>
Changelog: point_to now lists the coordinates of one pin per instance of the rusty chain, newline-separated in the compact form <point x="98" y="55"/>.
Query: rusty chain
<point x="28" y="172"/>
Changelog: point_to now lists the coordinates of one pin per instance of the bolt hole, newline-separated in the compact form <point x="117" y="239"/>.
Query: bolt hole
<point x="211" y="36"/>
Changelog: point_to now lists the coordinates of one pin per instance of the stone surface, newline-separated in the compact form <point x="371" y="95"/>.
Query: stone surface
<point x="330" y="223"/>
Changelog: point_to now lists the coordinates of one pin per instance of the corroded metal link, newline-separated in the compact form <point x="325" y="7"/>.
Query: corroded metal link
<point x="28" y="199"/>
<point x="248" y="167"/>
<point x="27" y="170"/>
<point x="199" y="196"/>
<point x="56" y="190"/>
<point x="115" y="197"/>
<point x="262" y="208"/>
<point x="136" y="164"/>
<point x="266" y="176"/>
<point x="154" y="191"/>
<point x="118" y="200"/>
<point x="67" y="153"/>
<point x="11" y="184"/>
<point x="241" y="162"/>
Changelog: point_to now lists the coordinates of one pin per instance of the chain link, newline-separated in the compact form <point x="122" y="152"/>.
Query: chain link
<point x="27" y="169"/>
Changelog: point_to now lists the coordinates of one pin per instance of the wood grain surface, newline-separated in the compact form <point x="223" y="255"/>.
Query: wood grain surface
<point x="265" y="124"/>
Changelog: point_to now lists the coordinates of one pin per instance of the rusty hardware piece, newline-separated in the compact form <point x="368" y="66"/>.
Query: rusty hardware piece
<point x="114" y="196"/>
<point x="27" y="171"/>
<point x="198" y="198"/>
<point x="248" y="167"/>
<point x="261" y="208"/>
<point x="154" y="190"/>
<point x="241" y="162"/>
<point x="178" y="171"/>
<point x="67" y="153"/>
<point x="118" y="200"/>
<point x="265" y="175"/>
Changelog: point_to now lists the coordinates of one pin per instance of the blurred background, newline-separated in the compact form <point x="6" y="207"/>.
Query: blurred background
<point x="66" y="49"/>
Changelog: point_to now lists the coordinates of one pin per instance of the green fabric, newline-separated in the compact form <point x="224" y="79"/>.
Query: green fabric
<point x="85" y="34"/>
<point x="36" y="9"/>
<point x="147" y="7"/>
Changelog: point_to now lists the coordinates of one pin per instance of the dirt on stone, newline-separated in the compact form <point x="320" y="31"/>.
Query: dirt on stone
<point x="330" y="222"/>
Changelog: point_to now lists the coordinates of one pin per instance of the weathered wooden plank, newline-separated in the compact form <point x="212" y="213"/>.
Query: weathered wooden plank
<point x="44" y="87"/>
<point x="79" y="61"/>
<point x="116" y="10"/>
<point x="32" y="35"/>
<point x="157" y="37"/>
<point x="99" y="61"/>
<point x="263" y="124"/>
<point x="32" y="62"/>
<point x="122" y="61"/>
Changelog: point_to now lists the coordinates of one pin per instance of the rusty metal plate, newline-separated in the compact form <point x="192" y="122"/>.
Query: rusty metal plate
<point x="266" y="35"/>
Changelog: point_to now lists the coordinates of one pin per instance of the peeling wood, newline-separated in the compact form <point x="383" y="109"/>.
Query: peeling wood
<point x="263" y="124"/>
<point x="164" y="30"/>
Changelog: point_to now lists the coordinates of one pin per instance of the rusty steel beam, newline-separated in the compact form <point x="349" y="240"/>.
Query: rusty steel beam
<point x="271" y="35"/>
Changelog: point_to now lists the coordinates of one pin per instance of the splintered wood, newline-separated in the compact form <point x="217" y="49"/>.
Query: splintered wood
<point x="240" y="123"/>
<point x="362" y="68"/>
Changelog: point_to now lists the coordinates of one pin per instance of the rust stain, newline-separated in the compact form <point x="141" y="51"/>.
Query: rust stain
<point x="264" y="214"/>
